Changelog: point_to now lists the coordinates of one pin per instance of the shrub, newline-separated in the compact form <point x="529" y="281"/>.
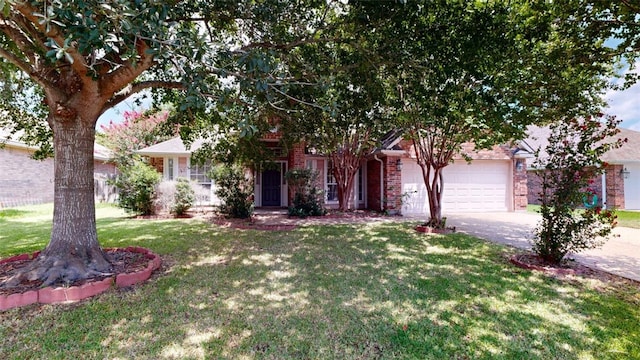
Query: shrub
<point x="307" y="198"/>
<point x="234" y="189"/>
<point x="137" y="188"/>
<point x="184" y="197"/>
<point x="165" y="196"/>
<point x="573" y="158"/>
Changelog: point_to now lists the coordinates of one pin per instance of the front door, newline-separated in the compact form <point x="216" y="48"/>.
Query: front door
<point x="271" y="188"/>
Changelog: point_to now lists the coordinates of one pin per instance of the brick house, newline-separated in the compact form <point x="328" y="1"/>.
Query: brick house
<point x="388" y="179"/>
<point x="618" y="187"/>
<point x="25" y="181"/>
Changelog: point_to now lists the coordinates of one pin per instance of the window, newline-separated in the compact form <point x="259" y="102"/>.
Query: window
<point x="332" y="184"/>
<point x="170" y="171"/>
<point x="199" y="173"/>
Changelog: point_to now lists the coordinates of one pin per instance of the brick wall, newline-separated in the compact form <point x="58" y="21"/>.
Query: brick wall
<point x="615" y="187"/>
<point x="498" y="152"/>
<point x="392" y="184"/>
<point x="534" y="187"/>
<point x="520" y="192"/>
<point x="23" y="180"/>
<point x="296" y="160"/>
<point x="157" y="163"/>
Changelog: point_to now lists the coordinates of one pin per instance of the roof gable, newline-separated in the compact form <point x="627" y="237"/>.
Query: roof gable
<point x="174" y="146"/>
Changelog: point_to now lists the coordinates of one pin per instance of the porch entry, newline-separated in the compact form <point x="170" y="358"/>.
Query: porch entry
<point x="271" y="187"/>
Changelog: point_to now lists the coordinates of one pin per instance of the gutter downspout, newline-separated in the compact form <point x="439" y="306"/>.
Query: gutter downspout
<point x="604" y="190"/>
<point x="375" y="156"/>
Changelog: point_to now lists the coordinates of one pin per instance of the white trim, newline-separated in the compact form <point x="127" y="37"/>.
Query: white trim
<point x="176" y="168"/>
<point x="325" y="184"/>
<point x="392" y="152"/>
<point x="257" y="185"/>
<point x="604" y="189"/>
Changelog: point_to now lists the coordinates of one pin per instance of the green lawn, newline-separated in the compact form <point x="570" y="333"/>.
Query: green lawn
<point x="629" y="219"/>
<point x="322" y="292"/>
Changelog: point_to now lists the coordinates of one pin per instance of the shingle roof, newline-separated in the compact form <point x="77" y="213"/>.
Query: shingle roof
<point x="390" y="140"/>
<point x="538" y="139"/>
<point x="630" y="151"/>
<point x="173" y="146"/>
<point x="99" y="152"/>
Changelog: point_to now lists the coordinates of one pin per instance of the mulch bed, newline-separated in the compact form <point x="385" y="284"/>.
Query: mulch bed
<point x="571" y="270"/>
<point x="123" y="261"/>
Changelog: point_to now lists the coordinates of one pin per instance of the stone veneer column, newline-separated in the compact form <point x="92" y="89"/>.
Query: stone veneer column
<point x="296" y="160"/>
<point x="615" y="187"/>
<point x="392" y="184"/>
<point x="520" y="189"/>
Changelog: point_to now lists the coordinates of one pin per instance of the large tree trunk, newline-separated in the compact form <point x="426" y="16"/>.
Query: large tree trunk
<point x="73" y="252"/>
<point x="345" y="189"/>
<point x="435" y="199"/>
<point x="434" y="182"/>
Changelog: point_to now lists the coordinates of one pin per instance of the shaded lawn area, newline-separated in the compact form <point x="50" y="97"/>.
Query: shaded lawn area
<point x="376" y="291"/>
<point x="626" y="218"/>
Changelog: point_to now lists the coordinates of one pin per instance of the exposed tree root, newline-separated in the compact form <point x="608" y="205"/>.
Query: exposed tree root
<point x="65" y="269"/>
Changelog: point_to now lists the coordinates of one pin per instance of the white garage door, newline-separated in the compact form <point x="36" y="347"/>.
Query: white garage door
<point x="483" y="185"/>
<point x="632" y="188"/>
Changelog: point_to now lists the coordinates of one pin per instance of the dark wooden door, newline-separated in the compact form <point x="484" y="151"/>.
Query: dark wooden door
<point x="271" y="188"/>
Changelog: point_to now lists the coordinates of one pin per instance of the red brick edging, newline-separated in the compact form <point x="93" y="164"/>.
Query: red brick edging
<point x="518" y="261"/>
<point x="57" y="295"/>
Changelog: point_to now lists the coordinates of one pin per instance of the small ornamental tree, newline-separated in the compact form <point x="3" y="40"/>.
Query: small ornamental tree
<point x="137" y="131"/>
<point x="569" y="163"/>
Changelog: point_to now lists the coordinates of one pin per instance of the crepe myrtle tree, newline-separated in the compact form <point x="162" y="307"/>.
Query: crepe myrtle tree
<point x="137" y="131"/>
<point x="347" y="133"/>
<point x="79" y="58"/>
<point x="481" y="72"/>
<point x="347" y="125"/>
<point x="570" y="221"/>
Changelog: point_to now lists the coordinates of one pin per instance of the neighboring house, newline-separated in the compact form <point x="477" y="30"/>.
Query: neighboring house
<point x="25" y="181"/>
<point x="389" y="179"/>
<point x="621" y="180"/>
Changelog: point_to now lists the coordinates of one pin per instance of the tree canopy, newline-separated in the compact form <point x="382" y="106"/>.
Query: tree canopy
<point x="481" y="72"/>
<point x="80" y="58"/>
<point x="466" y="71"/>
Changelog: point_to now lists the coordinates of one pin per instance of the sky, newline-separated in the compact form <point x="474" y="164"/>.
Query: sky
<point x="625" y="105"/>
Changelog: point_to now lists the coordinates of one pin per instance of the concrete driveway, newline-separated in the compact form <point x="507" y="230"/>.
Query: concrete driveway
<point x="620" y="255"/>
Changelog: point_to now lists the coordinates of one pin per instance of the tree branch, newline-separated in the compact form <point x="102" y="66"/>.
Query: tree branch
<point x="121" y="77"/>
<point x="19" y="63"/>
<point x="79" y="64"/>
<point x="136" y="88"/>
<point x="37" y="38"/>
<point x="23" y="43"/>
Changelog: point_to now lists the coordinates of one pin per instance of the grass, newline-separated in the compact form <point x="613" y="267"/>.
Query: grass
<point x="378" y="291"/>
<point x="630" y="219"/>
